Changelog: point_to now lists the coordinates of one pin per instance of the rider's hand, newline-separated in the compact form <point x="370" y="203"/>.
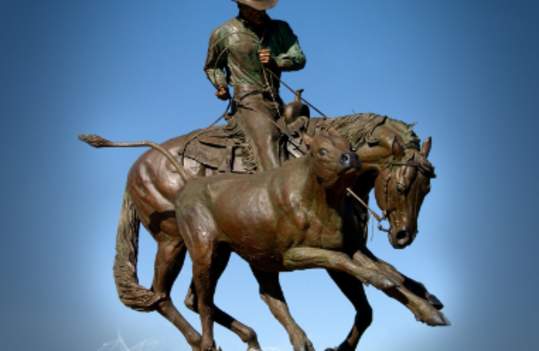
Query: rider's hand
<point x="222" y="93"/>
<point x="264" y="55"/>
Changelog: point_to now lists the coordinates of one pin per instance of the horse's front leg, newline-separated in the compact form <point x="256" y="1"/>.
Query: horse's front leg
<point x="272" y="294"/>
<point x="355" y="292"/>
<point x="423" y="309"/>
<point x="307" y="257"/>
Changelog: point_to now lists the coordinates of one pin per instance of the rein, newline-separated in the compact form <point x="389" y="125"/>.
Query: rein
<point x="379" y="219"/>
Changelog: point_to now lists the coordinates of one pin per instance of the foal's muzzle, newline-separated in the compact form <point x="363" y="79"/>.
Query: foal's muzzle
<point x="350" y="160"/>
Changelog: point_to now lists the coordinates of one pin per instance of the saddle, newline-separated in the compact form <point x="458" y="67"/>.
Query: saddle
<point x="223" y="148"/>
<point x="227" y="150"/>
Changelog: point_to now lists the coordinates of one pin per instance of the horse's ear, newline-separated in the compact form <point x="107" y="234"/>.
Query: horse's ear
<point x="397" y="148"/>
<point x="425" y="148"/>
<point x="308" y="140"/>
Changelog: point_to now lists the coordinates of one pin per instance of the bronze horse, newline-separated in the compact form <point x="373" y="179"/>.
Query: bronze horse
<point x="393" y="164"/>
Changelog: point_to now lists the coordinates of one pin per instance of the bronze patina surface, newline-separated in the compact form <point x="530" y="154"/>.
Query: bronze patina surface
<point x="249" y="53"/>
<point x="277" y="220"/>
<point x="393" y="163"/>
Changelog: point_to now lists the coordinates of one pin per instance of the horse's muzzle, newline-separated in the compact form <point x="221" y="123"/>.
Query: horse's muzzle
<point x="401" y="239"/>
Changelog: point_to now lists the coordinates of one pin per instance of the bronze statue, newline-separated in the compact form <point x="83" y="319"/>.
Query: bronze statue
<point x="311" y="212"/>
<point x="393" y="163"/>
<point x="249" y="52"/>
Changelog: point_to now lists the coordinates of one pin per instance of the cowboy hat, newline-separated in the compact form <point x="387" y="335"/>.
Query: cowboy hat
<point x="259" y="5"/>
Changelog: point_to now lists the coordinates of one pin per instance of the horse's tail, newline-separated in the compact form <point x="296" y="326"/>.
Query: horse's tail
<point x="98" y="142"/>
<point x="131" y="293"/>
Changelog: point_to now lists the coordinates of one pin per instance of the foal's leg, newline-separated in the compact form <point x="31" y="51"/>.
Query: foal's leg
<point x="425" y="309"/>
<point x="306" y="257"/>
<point x="203" y="257"/>
<point x="272" y="294"/>
<point x="366" y="257"/>
<point x="355" y="292"/>
<point x="245" y="333"/>
<point x="168" y="262"/>
<point x="301" y="258"/>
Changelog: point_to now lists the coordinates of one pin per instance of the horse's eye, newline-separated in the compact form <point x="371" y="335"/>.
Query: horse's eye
<point x="401" y="188"/>
<point x="323" y="152"/>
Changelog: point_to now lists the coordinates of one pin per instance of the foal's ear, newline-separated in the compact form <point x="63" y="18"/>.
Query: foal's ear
<point x="308" y="140"/>
<point x="332" y="132"/>
<point x="425" y="148"/>
<point x="397" y="148"/>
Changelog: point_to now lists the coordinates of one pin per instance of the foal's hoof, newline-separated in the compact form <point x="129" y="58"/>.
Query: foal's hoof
<point x="302" y="344"/>
<point x="436" y="319"/>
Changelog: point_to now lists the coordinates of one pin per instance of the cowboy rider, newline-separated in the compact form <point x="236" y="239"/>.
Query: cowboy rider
<point x="249" y="52"/>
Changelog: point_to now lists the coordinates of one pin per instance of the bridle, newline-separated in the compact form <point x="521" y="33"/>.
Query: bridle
<point x="420" y="166"/>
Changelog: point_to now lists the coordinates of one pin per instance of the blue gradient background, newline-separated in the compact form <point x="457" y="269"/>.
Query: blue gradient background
<point x="465" y="71"/>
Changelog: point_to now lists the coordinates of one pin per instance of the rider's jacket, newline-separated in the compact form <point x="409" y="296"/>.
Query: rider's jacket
<point x="233" y="55"/>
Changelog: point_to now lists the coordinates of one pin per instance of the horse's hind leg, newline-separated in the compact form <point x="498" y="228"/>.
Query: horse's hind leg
<point x="168" y="263"/>
<point x="246" y="334"/>
<point x="355" y="292"/>
<point x="272" y="294"/>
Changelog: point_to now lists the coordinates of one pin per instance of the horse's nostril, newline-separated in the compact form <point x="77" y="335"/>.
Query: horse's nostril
<point x="402" y="234"/>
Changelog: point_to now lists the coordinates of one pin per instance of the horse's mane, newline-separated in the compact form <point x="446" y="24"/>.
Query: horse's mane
<point x="359" y="128"/>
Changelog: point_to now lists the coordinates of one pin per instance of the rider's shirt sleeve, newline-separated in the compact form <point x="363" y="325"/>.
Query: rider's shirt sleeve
<point x="215" y="66"/>
<point x="291" y="56"/>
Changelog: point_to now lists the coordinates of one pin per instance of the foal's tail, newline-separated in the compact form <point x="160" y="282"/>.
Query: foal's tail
<point x="131" y="293"/>
<point x="98" y="142"/>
